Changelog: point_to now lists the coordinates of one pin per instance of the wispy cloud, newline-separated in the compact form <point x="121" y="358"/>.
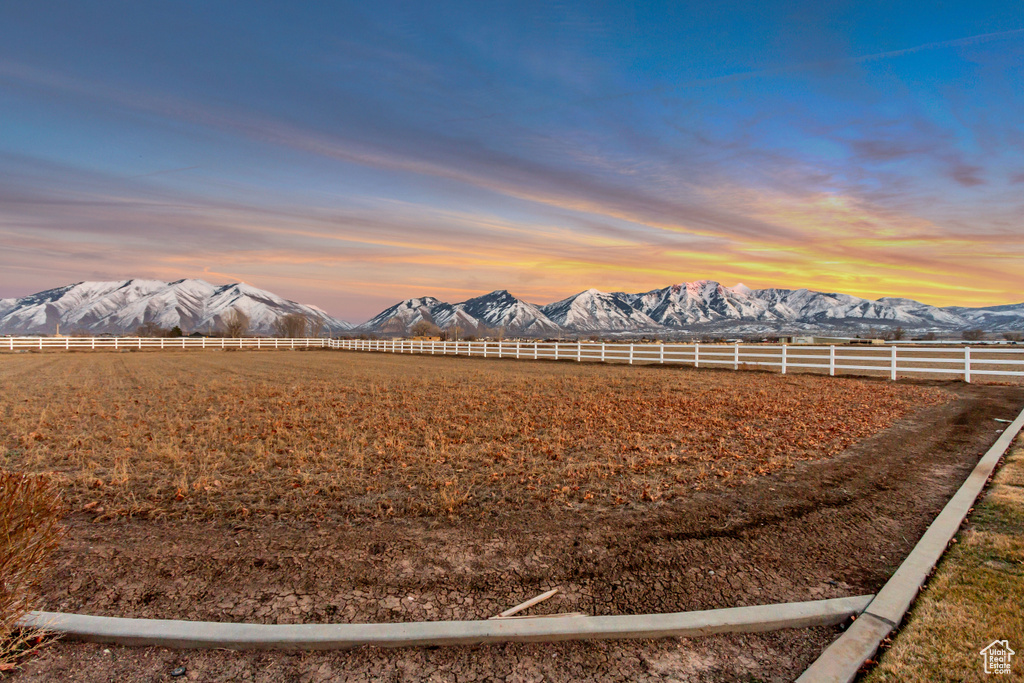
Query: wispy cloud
<point x="349" y="171"/>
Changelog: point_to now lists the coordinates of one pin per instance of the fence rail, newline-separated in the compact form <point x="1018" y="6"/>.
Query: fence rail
<point x="892" y="361"/>
<point x="169" y="343"/>
<point x="944" y="362"/>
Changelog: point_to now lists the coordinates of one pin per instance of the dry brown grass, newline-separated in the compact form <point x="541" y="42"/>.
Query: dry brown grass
<point x="313" y="433"/>
<point x="30" y="511"/>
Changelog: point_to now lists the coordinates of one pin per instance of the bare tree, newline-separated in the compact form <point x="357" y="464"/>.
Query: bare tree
<point x="973" y="335"/>
<point x="291" y="326"/>
<point x="898" y="334"/>
<point x="150" y="329"/>
<point x="317" y="326"/>
<point x="1013" y="336"/>
<point x="425" y="328"/>
<point x="235" y="323"/>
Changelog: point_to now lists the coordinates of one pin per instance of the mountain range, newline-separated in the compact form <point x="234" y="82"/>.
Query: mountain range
<point x="701" y="307"/>
<point x="120" y="307"/>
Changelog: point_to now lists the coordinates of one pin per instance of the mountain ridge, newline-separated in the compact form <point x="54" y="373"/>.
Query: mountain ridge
<point x="700" y="307"/>
<point x="121" y="306"/>
<point x="703" y="306"/>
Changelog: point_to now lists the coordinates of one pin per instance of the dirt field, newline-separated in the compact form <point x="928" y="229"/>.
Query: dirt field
<point x="328" y="434"/>
<point x="822" y="513"/>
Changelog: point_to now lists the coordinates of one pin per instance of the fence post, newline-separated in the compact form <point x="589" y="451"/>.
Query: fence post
<point x="967" y="364"/>
<point x="892" y="362"/>
<point x="602" y="352"/>
<point x="832" y="361"/>
<point x="517" y="349"/>
<point x="536" y="347"/>
<point x="631" y="353"/>
<point x="661" y="353"/>
<point x="696" y="354"/>
<point x="783" y="359"/>
<point x="579" y="351"/>
<point x="556" y="350"/>
<point x="115" y="343"/>
<point x="736" y="356"/>
<point x="93" y="343"/>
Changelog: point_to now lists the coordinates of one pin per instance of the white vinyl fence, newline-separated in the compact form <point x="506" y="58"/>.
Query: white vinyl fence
<point x="997" y="362"/>
<point x="138" y="343"/>
<point x="945" y="362"/>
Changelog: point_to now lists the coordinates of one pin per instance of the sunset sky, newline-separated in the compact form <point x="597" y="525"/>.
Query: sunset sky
<point x="349" y="155"/>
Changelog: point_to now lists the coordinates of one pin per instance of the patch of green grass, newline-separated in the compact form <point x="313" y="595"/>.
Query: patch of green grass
<point x="973" y="598"/>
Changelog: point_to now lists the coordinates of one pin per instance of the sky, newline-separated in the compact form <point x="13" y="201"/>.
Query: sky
<point x="350" y="155"/>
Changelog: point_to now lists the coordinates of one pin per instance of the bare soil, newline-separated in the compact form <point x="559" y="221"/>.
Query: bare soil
<point x="328" y="434"/>
<point x="818" y="528"/>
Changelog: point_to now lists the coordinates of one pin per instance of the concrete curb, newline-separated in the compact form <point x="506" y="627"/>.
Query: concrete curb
<point x="206" y="634"/>
<point x="844" y="657"/>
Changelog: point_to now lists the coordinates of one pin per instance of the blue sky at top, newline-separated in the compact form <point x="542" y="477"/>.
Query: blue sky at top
<point x="351" y="155"/>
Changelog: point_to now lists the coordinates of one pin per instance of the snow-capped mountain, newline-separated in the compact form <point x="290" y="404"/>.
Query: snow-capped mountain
<point x="700" y="307"/>
<point x="694" y="308"/>
<point x="818" y="307"/>
<point x="403" y="315"/>
<point x="499" y="309"/>
<point x="703" y="301"/>
<point x="1008" y="318"/>
<point x="488" y="312"/>
<point x="122" y="306"/>
<point x="593" y="310"/>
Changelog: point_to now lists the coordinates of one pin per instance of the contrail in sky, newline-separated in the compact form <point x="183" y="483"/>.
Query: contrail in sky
<point x="748" y="75"/>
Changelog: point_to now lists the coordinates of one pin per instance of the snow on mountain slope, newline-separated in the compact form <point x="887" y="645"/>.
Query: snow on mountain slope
<point x="1007" y="318"/>
<point x="403" y="315"/>
<point x="705" y="306"/>
<point x="593" y="310"/>
<point x="120" y="307"/>
<point x="7" y="305"/>
<point x="809" y="306"/>
<point x="499" y="309"/>
<point x="703" y="301"/>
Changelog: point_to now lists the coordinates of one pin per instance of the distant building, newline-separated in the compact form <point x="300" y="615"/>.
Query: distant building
<point x="815" y="340"/>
